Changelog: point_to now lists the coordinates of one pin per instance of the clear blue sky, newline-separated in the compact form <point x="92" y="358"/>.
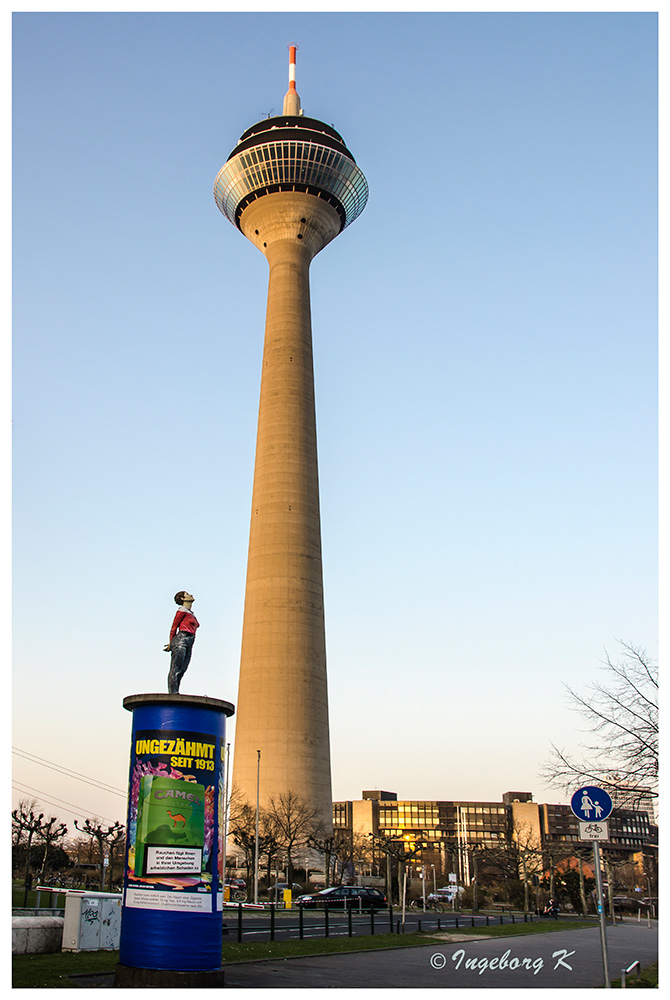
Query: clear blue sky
<point x="485" y="341"/>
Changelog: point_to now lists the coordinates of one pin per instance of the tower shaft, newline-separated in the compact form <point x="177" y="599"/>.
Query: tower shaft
<point x="282" y="707"/>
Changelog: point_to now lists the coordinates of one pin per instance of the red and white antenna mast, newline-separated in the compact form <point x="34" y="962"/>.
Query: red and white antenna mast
<point x="291" y="100"/>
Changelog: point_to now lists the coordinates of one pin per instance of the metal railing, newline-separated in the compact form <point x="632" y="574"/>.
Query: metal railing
<point x="262" y="920"/>
<point x="626" y="972"/>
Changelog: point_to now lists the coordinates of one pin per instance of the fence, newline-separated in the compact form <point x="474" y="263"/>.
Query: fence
<point x="381" y="921"/>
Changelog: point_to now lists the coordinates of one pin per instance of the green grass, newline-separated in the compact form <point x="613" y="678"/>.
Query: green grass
<point x="256" y="951"/>
<point x="19" y="893"/>
<point x="52" y="971"/>
<point x="647" y="980"/>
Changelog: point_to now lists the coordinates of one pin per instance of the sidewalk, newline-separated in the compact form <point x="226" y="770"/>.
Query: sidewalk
<point x="562" y="960"/>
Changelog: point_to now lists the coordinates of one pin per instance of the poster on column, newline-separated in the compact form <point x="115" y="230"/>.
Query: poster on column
<point x="175" y="778"/>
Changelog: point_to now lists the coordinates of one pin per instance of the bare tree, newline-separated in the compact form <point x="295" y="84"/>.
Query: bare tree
<point x="621" y="714"/>
<point x="243" y="832"/>
<point x="50" y="833"/>
<point x="401" y="851"/>
<point x="268" y="837"/>
<point x="324" y="843"/>
<point x="110" y="835"/>
<point x="293" y="822"/>
<point x="27" y="822"/>
<point x="518" y="860"/>
<point x="26" y="808"/>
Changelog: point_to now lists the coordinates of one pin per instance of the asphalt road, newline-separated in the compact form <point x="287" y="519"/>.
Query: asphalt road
<point x="560" y="960"/>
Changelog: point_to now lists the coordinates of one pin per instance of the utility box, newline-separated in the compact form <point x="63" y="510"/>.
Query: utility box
<point x="92" y="921"/>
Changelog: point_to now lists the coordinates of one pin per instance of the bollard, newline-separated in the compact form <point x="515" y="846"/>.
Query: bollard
<point x="390" y="918"/>
<point x="301" y="922"/>
<point x="349" y="920"/>
<point x="438" y="924"/>
<point x="325" y="921"/>
<point x="272" y="921"/>
<point x="372" y="920"/>
<point x="239" y="922"/>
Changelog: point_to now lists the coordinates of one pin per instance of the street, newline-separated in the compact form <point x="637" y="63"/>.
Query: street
<point x="560" y="960"/>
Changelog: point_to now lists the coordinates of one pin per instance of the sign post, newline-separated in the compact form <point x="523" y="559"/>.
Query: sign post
<point x="592" y="807"/>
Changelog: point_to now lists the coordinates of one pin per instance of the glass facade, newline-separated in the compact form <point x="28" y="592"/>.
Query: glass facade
<point x="487" y="824"/>
<point x="283" y="165"/>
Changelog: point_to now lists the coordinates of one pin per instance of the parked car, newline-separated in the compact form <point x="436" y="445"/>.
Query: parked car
<point x="277" y="891"/>
<point x="344" y="896"/>
<point x="624" y="903"/>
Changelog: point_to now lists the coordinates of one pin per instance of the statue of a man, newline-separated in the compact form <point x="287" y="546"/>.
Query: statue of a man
<point x="182" y="637"/>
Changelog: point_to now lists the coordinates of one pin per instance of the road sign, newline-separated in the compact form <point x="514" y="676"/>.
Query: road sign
<point x="594" y="831"/>
<point x="591" y="803"/>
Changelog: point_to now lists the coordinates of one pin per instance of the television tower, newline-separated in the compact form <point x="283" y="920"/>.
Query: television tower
<point x="290" y="186"/>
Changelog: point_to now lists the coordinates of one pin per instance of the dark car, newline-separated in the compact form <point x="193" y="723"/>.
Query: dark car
<point x="624" y="903"/>
<point x="344" y="896"/>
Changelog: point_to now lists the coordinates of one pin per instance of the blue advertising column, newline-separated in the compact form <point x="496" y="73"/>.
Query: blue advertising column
<point x="172" y="916"/>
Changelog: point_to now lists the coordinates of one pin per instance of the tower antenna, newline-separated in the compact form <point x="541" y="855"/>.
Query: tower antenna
<point x="291" y="100"/>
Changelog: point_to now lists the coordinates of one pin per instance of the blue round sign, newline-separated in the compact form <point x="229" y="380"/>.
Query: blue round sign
<point x="591" y="803"/>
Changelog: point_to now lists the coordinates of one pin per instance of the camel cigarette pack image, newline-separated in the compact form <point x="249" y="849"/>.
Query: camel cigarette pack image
<point x="170" y="827"/>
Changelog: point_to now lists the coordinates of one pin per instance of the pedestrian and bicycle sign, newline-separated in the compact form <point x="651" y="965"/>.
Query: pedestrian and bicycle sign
<point x="594" y="831"/>
<point x="591" y="804"/>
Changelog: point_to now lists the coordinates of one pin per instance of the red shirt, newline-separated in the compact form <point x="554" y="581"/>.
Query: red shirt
<point x="184" y="621"/>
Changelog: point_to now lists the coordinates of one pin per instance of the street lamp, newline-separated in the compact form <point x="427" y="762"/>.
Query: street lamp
<point x="258" y="786"/>
<point x="226" y="815"/>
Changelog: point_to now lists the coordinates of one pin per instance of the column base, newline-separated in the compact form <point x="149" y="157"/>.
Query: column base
<point x="128" y="977"/>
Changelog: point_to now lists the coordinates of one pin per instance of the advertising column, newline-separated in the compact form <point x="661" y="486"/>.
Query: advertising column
<point x="171" y="924"/>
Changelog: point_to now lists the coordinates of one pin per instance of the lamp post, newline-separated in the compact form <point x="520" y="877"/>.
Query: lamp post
<point x="258" y="786"/>
<point x="226" y="810"/>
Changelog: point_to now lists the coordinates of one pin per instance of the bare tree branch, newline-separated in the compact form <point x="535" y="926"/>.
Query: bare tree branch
<point x="621" y="713"/>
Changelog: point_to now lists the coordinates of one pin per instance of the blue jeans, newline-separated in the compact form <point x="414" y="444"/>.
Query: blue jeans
<point x="181" y="648"/>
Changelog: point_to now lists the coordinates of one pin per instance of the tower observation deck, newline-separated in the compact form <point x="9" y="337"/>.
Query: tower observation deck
<point x="295" y="154"/>
<point x="290" y="186"/>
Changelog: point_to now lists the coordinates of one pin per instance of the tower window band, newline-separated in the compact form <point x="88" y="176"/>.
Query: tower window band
<point x="299" y="166"/>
